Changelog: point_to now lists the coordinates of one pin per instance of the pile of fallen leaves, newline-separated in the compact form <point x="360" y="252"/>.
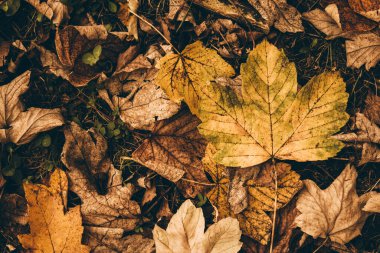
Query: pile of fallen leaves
<point x="189" y="126"/>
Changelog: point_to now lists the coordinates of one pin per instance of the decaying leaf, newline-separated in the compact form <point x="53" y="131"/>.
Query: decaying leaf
<point x="84" y="155"/>
<point x="72" y="42"/>
<point x="54" y="10"/>
<point x="185" y="233"/>
<point x="51" y="228"/>
<point x="179" y="10"/>
<point x="373" y="204"/>
<point x="270" y="119"/>
<point x="174" y="150"/>
<point x="13" y="209"/>
<point x="19" y="126"/>
<point x="363" y="49"/>
<point x="127" y="18"/>
<point x="367" y="133"/>
<point x="368" y="8"/>
<point x="4" y="51"/>
<point x="335" y="212"/>
<point x="103" y="240"/>
<point x="283" y="16"/>
<point x="183" y="76"/>
<point x="236" y="10"/>
<point x="261" y="195"/>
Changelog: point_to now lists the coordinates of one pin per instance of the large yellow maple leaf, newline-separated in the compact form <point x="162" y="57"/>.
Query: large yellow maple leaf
<point x="270" y="119"/>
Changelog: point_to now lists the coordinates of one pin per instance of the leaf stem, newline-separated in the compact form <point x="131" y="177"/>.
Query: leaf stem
<point x="196" y="182"/>
<point x="275" y="206"/>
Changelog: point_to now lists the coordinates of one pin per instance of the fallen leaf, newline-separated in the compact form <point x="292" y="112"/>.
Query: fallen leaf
<point x="373" y="204"/>
<point x="363" y="49"/>
<point x="185" y="233"/>
<point x="254" y="222"/>
<point x="236" y="10"/>
<point x="13" y="209"/>
<point x="4" y="51"/>
<point x="174" y="150"/>
<point x="335" y="212"/>
<point x="113" y="241"/>
<point x="283" y="16"/>
<point x="183" y="76"/>
<point x="50" y="226"/>
<point x="372" y="108"/>
<point x="368" y="8"/>
<point x="270" y="120"/>
<point x="84" y="155"/>
<point x="179" y="10"/>
<point x="127" y="18"/>
<point x="19" y="126"/>
<point x="164" y="210"/>
<point x="367" y="133"/>
<point x="54" y="10"/>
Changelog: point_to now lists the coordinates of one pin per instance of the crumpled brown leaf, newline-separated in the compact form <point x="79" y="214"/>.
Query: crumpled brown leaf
<point x="368" y="8"/>
<point x="72" y="42"/>
<point x="335" y="212"/>
<point x="19" y="126"/>
<point x="185" y="233"/>
<point x="174" y="150"/>
<point x="105" y="240"/>
<point x="127" y="18"/>
<point x="51" y="228"/>
<point x="54" y="10"/>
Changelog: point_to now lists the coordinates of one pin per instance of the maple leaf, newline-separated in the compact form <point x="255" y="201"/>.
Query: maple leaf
<point x="185" y="233"/>
<point x="84" y="154"/>
<point x="19" y="126"/>
<point x="335" y="212"/>
<point x="52" y="229"/>
<point x="261" y="194"/>
<point x="174" y="150"/>
<point x="183" y="76"/>
<point x="269" y="119"/>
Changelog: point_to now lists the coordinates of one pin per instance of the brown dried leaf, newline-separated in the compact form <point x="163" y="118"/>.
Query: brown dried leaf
<point x="107" y="240"/>
<point x="335" y="212"/>
<point x="19" y="126"/>
<point x="368" y="8"/>
<point x="51" y="228"/>
<point x="13" y="209"/>
<point x="84" y="155"/>
<point x="179" y="10"/>
<point x="174" y="150"/>
<point x="54" y="10"/>
<point x="372" y="108"/>
<point x="127" y="18"/>
<point x="363" y="49"/>
<point x="4" y="51"/>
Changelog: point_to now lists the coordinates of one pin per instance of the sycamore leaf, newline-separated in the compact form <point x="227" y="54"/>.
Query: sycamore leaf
<point x="185" y="233"/>
<point x="269" y="119"/>
<point x="174" y="150"/>
<point x="19" y="126"/>
<point x="183" y="76"/>
<point x="363" y="49"/>
<point x="254" y="222"/>
<point x="335" y="212"/>
<point x="51" y="228"/>
<point x="238" y="11"/>
<point x="54" y="10"/>
<point x="84" y="154"/>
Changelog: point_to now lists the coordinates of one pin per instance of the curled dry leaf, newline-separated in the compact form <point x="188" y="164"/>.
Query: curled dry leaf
<point x="270" y="119"/>
<point x="183" y="76"/>
<point x="50" y="226"/>
<point x="54" y="10"/>
<point x="335" y="212"/>
<point x="174" y="150"/>
<point x="103" y="240"/>
<point x="236" y="10"/>
<point x="367" y="133"/>
<point x="261" y="194"/>
<point x="71" y="43"/>
<point x="127" y="18"/>
<point x="19" y="126"/>
<point x="185" y="233"/>
<point x="84" y="154"/>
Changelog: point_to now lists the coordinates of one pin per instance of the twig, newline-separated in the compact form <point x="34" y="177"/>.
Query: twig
<point x="196" y="182"/>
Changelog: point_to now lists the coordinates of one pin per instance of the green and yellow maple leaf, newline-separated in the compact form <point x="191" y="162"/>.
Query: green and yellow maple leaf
<point x="270" y="119"/>
<point x="183" y="76"/>
<point x="253" y="221"/>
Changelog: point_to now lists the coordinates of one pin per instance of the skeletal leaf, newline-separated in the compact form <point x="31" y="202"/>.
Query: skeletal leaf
<point x="254" y="222"/>
<point x="335" y="212"/>
<point x="54" y="10"/>
<point x="185" y="233"/>
<point x="363" y="49"/>
<point x="270" y="120"/>
<point x="175" y="150"/>
<point x="183" y="76"/>
<point x="19" y="126"/>
<point x="50" y="226"/>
